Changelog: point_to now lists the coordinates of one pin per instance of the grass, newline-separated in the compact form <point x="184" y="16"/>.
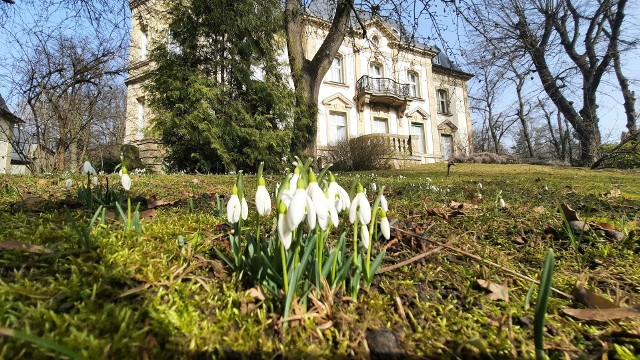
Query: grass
<point x="154" y="297"/>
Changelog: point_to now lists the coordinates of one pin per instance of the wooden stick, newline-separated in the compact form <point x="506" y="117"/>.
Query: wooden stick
<point x="477" y="258"/>
<point x="408" y="261"/>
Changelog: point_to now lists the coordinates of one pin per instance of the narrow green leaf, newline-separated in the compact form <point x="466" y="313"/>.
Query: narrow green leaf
<point x="542" y="303"/>
<point x="41" y="342"/>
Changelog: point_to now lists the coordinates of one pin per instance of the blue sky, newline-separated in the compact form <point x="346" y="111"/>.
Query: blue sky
<point x="13" y="35"/>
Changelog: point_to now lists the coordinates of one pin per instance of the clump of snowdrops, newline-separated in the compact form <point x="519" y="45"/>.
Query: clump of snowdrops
<point x="323" y="235"/>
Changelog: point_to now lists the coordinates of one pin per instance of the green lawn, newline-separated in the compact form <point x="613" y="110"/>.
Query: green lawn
<point x="139" y="295"/>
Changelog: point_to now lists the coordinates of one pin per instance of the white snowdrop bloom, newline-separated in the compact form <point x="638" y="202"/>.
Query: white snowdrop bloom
<point x="364" y="236"/>
<point x="384" y="225"/>
<point x="383" y="203"/>
<point x="428" y="180"/>
<point x="480" y="185"/>
<point x="301" y="206"/>
<point x="319" y="199"/>
<point x="293" y="182"/>
<point x="333" y="214"/>
<point x="285" y="234"/>
<point x="337" y="195"/>
<point x="479" y="196"/>
<point x="546" y="188"/>
<point x="125" y="179"/>
<point x="234" y="208"/>
<point x="68" y="183"/>
<point x="263" y="199"/>
<point x="360" y="206"/>
<point x="373" y="187"/>
<point x="87" y="169"/>
<point x="501" y="203"/>
<point x="244" y="209"/>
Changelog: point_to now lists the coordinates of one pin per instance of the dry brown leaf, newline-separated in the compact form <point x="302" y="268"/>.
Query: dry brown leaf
<point x="497" y="291"/>
<point x="17" y="245"/>
<point x="613" y="193"/>
<point x="256" y="293"/>
<point x="147" y="213"/>
<point x="605" y="314"/>
<point x="589" y="299"/>
<point x="569" y="213"/>
<point x="153" y="202"/>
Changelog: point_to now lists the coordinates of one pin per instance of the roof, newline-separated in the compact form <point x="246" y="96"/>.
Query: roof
<point x="6" y="114"/>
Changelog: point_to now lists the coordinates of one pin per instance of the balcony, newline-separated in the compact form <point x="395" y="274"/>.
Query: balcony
<point x="401" y="148"/>
<point x="384" y="91"/>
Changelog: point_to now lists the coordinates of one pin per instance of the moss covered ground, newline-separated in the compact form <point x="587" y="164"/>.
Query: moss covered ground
<point x="161" y="292"/>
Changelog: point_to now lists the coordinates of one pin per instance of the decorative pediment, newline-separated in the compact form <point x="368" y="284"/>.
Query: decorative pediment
<point x="447" y="127"/>
<point x="417" y="114"/>
<point x="337" y="102"/>
<point x="383" y="28"/>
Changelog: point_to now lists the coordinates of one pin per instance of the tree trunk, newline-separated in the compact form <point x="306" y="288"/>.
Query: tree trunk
<point x="308" y="74"/>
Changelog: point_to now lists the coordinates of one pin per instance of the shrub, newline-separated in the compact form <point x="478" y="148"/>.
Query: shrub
<point x="369" y="152"/>
<point x="627" y="157"/>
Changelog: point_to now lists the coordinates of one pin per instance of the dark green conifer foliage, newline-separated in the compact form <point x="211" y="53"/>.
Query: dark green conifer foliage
<point x="218" y="95"/>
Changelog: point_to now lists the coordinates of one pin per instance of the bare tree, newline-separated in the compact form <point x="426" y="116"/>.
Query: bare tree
<point x="567" y="43"/>
<point x="67" y="88"/>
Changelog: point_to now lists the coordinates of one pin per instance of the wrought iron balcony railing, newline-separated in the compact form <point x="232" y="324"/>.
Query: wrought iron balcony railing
<point x="384" y="86"/>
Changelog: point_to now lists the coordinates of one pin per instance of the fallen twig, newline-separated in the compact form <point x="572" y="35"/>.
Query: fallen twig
<point x="408" y="261"/>
<point x="477" y="258"/>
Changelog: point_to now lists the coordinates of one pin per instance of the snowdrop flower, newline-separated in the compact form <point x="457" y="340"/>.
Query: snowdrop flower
<point x="301" y="206"/>
<point x="68" y="183"/>
<point x="284" y="232"/>
<point x="337" y="195"/>
<point x="384" y="225"/>
<point x="374" y="187"/>
<point x="480" y="185"/>
<point x="364" y="236"/>
<point x="383" y="203"/>
<point x="263" y="200"/>
<point x="546" y="188"/>
<point x="361" y="207"/>
<point x="319" y="200"/>
<point x="501" y="203"/>
<point x="333" y="213"/>
<point x="293" y="182"/>
<point x="427" y="180"/>
<point x="479" y="196"/>
<point x="87" y="169"/>
<point x="95" y="181"/>
<point x="234" y="209"/>
<point x="125" y="179"/>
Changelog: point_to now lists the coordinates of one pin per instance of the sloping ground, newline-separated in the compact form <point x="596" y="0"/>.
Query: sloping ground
<point x="162" y="294"/>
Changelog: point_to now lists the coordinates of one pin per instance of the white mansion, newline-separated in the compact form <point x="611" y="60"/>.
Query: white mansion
<point x="410" y="94"/>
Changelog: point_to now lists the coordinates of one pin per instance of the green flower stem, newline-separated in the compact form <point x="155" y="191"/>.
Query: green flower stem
<point x="258" y="234"/>
<point x="355" y="243"/>
<point x="284" y="269"/>
<point x="128" y="211"/>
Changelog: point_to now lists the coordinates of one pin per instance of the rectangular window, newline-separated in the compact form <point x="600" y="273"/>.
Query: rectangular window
<point x="337" y="127"/>
<point x="443" y="102"/>
<point x="446" y="143"/>
<point x="417" y="130"/>
<point x="375" y="70"/>
<point x="140" y="120"/>
<point x="335" y="73"/>
<point x="414" y="89"/>
<point x="380" y="126"/>
<point x="144" y="43"/>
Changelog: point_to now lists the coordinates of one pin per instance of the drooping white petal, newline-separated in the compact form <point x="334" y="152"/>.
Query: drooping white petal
<point x="244" y="209"/>
<point x="263" y="201"/>
<point x="383" y="203"/>
<point x="385" y="228"/>
<point x="95" y="180"/>
<point x="364" y="236"/>
<point x="296" y="211"/>
<point x="364" y="209"/>
<point x="339" y="196"/>
<point x="333" y="212"/>
<point x="286" y="197"/>
<point x="87" y="169"/>
<point x="319" y="202"/>
<point x="293" y="182"/>
<point x="311" y="212"/>
<point x="374" y="187"/>
<point x="233" y="209"/>
<point x="284" y="233"/>
<point x="502" y="203"/>
<point x="126" y="181"/>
